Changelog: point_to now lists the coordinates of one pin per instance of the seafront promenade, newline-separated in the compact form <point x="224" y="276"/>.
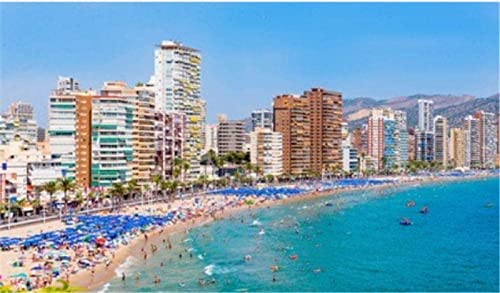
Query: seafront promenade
<point x="86" y="248"/>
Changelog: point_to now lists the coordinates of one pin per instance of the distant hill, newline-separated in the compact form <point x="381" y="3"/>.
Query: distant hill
<point x="357" y="110"/>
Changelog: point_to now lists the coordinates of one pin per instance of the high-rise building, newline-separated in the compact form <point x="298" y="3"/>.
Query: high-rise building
<point x="266" y="151"/>
<point x="424" y="146"/>
<point x="471" y="125"/>
<point x="61" y="130"/>
<point x="311" y="129"/>
<point x="83" y="140"/>
<point x="169" y="141"/>
<point x="401" y="138"/>
<point x="112" y="143"/>
<point x="177" y="89"/>
<point x="487" y="138"/>
<point x="425" y="115"/>
<point x="388" y="138"/>
<point x="441" y="140"/>
<point x="292" y="120"/>
<point x="325" y="110"/>
<point x="210" y="138"/>
<point x="262" y="118"/>
<point x="457" y="148"/>
<point x="143" y="134"/>
<point x="376" y="136"/>
<point x="230" y="136"/>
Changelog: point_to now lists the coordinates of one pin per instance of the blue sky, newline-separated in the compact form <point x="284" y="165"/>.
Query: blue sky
<point x="253" y="52"/>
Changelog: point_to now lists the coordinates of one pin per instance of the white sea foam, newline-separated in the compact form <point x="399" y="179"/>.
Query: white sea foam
<point x="256" y="223"/>
<point x="209" y="270"/>
<point x="200" y="256"/>
<point x="125" y="266"/>
<point x="187" y="240"/>
<point x="104" y="288"/>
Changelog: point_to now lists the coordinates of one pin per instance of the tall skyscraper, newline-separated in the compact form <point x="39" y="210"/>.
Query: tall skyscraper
<point x="388" y="138"/>
<point x="262" y="118"/>
<point x="112" y="142"/>
<point x="311" y="129"/>
<point x="401" y="138"/>
<point x="266" y="151"/>
<point x="177" y="89"/>
<point x="425" y="115"/>
<point x="457" y="148"/>
<point x="441" y="140"/>
<point x="143" y="134"/>
<point x="487" y="138"/>
<point x="325" y="110"/>
<point x="471" y="126"/>
<point x="292" y="120"/>
<point x="61" y="130"/>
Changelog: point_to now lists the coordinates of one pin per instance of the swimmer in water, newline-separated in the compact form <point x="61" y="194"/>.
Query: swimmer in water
<point x="161" y="264"/>
<point x="180" y="255"/>
<point x="274" y="278"/>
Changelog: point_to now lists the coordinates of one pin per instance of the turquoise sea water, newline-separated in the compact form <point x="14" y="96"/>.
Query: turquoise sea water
<point x="355" y="245"/>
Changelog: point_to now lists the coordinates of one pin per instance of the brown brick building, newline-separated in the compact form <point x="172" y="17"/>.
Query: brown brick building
<point x="83" y="141"/>
<point x="311" y="129"/>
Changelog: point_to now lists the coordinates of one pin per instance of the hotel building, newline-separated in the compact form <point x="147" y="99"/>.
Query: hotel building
<point x="311" y="129"/>
<point x="266" y="151"/>
<point x="441" y="140"/>
<point x="177" y="89"/>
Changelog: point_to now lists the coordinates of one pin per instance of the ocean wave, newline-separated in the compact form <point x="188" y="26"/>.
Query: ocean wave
<point x="125" y="266"/>
<point x="187" y="240"/>
<point x="256" y="223"/>
<point x="218" y="270"/>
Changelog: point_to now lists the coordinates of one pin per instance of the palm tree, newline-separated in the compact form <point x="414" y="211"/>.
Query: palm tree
<point x="177" y="167"/>
<point x="185" y="168"/>
<point x="156" y="180"/>
<point x="165" y="187"/>
<point x="117" y="191"/>
<point x="51" y="188"/>
<point x="132" y="187"/>
<point x="65" y="184"/>
<point x="173" y="187"/>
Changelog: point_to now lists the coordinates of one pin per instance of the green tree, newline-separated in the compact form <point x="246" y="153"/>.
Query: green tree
<point x="117" y="191"/>
<point x="65" y="184"/>
<point x="51" y="188"/>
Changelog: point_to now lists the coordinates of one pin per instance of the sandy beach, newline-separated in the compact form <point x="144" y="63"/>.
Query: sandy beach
<point x="94" y="278"/>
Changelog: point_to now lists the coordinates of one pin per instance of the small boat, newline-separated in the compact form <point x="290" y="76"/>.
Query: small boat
<point x="424" y="210"/>
<point x="293" y="257"/>
<point x="248" y="257"/>
<point x="488" y="205"/>
<point x="405" y="221"/>
<point x="274" y="268"/>
<point x="410" y="204"/>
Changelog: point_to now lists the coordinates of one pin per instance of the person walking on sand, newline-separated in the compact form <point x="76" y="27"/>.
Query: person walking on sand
<point x="123" y="277"/>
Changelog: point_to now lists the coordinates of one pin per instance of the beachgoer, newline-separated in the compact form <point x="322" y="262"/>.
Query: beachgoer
<point x="161" y="264"/>
<point x="274" y="278"/>
<point x="123" y="277"/>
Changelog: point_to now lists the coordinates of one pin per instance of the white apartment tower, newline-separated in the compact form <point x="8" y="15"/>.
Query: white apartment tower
<point x="177" y="89"/>
<point x="425" y="115"/>
<point x="266" y="151"/>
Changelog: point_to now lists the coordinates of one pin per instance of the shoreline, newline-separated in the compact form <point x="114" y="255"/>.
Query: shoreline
<point x="85" y="281"/>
